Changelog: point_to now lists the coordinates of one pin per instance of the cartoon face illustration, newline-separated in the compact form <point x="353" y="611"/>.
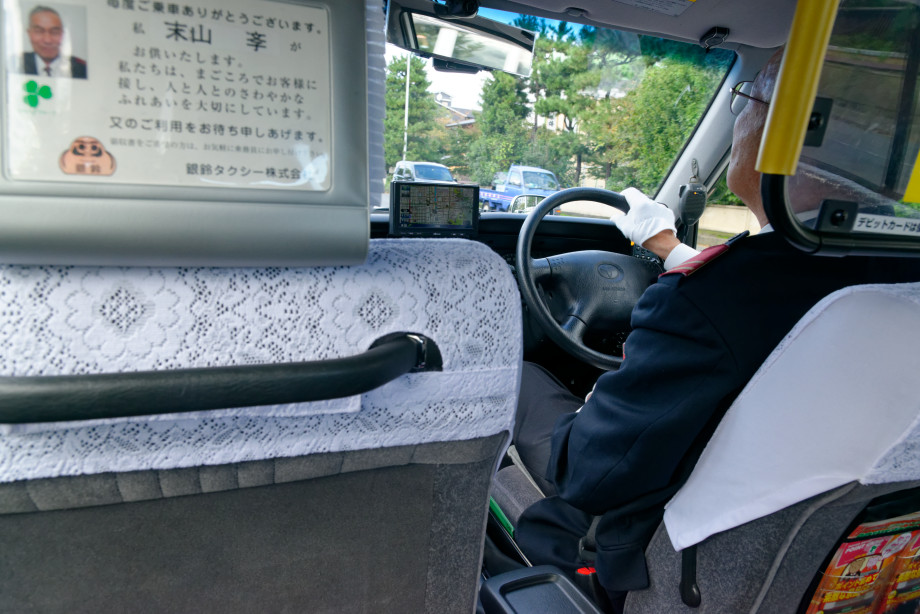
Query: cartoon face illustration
<point x="87" y="156"/>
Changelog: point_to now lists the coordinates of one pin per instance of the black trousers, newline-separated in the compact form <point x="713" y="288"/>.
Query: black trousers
<point x="551" y="529"/>
<point x="542" y="401"/>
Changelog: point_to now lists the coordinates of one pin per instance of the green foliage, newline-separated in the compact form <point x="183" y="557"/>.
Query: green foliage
<point x="721" y="195"/>
<point x="489" y="155"/>
<point x="562" y="81"/>
<point x="636" y="138"/>
<point x="456" y="150"/>
<point x="562" y="31"/>
<point x="566" y="78"/>
<point x="426" y="134"/>
<point x="626" y="104"/>
<point x="504" y="104"/>
<point x="529" y="22"/>
<point x="656" y="49"/>
<point x="502" y="133"/>
<point x="890" y="30"/>
<point x="665" y="109"/>
<point x="554" y="151"/>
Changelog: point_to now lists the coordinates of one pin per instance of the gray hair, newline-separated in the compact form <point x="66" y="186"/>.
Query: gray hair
<point x="42" y="9"/>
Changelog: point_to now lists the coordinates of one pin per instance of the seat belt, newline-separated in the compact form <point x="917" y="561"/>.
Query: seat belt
<point x="587" y="545"/>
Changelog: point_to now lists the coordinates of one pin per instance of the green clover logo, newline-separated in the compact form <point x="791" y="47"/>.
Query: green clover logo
<point x="34" y="92"/>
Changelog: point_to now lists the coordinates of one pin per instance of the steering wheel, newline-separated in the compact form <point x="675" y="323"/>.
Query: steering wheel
<point x="587" y="290"/>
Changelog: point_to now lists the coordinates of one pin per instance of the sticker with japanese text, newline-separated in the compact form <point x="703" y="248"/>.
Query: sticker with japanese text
<point x="210" y="93"/>
<point x="883" y="224"/>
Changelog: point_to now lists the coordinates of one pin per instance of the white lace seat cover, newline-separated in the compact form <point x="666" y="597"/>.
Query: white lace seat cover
<point x="836" y="402"/>
<point x="78" y="320"/>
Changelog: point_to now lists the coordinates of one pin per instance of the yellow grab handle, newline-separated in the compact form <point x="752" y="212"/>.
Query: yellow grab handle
<point x="796" y="87"/>
<point x="912" y="193"/>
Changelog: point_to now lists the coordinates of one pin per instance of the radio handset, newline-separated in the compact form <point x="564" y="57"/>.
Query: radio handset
<point x="690" y="204"/>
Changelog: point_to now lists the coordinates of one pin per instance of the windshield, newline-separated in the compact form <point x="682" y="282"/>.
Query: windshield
<point x="601" y="108"/>
<point x="432" y="173"/>
<point x="541" y="181"/>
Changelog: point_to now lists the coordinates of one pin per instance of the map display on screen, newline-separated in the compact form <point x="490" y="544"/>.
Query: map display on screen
<point x="433" y="209"/>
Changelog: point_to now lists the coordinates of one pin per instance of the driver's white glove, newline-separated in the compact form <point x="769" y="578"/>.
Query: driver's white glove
<point x="645" y="218"/>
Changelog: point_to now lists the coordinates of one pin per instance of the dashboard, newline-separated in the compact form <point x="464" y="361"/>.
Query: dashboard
<point x="555" y="235"/>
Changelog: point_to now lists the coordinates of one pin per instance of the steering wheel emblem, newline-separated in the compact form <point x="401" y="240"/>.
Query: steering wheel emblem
<point x="609" y="271"/>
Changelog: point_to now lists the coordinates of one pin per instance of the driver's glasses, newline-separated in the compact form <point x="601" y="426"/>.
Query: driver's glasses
<point x="741" y="93"/>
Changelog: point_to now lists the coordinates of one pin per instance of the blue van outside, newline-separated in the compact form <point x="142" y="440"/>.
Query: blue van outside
<point x="518" y="180"/>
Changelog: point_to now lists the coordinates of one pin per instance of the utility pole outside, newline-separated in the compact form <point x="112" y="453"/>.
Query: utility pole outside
<point x="406" y="122"/>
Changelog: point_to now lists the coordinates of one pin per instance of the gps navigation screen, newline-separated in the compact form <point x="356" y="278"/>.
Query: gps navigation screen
<point x="433" y="209"/>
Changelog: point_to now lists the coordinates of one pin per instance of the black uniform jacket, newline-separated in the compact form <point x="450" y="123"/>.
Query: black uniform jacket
<point x="696" y="341"/>
<point x="30" y="65"/>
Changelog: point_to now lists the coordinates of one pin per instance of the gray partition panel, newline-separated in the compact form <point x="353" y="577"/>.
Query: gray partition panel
<point x="129" y="218"/>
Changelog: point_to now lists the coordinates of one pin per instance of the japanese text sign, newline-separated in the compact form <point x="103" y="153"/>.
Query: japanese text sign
<point x="209" y="93"/>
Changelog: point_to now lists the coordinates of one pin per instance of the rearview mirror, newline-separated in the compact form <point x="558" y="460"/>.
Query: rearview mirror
<point x="470" y="42"/>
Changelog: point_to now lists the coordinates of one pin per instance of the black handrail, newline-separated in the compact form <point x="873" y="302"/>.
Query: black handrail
<point x="62" y="398"/>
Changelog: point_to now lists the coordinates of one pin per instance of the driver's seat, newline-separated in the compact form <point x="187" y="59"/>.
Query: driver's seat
<point x="751" y="527"/>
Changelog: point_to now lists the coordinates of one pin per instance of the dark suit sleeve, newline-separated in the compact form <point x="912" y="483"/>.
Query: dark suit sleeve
<point x="630" y="436"/>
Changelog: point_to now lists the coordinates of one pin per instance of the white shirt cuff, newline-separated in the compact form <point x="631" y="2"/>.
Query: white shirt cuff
<point x="679" y="255"/>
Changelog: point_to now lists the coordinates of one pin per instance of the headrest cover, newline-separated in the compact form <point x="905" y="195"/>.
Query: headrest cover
<point x="72" y="320"/>
<point x="836" y="402"/>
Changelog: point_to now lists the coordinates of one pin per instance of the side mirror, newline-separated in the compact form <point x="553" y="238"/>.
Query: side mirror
<point x="459" y="43"/>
